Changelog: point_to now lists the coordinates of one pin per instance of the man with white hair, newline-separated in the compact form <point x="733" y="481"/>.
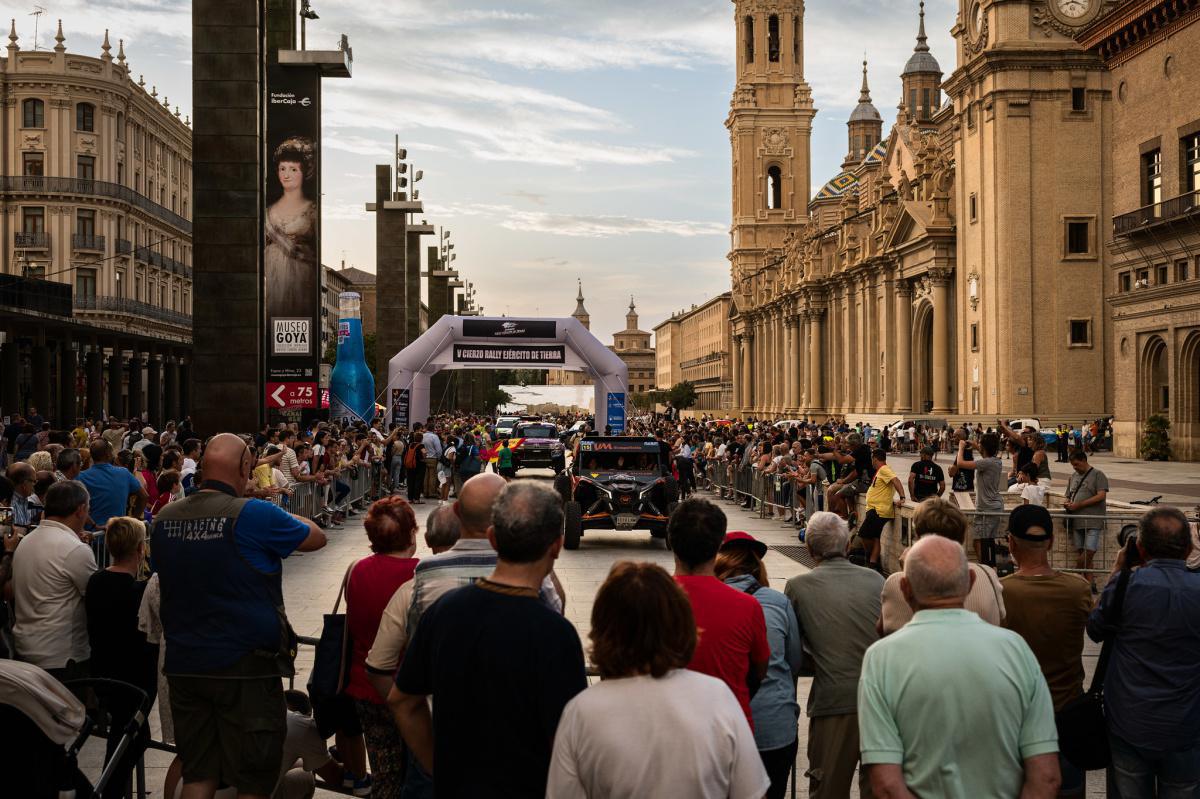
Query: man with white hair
<point x="951" y="706"/>
<point x="836" y="604"/>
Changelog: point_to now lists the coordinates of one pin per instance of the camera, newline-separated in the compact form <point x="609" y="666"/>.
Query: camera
<point x="1127" y="538"/>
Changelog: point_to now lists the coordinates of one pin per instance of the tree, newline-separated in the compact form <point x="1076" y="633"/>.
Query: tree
<point x="682" y="395"/>
<point x="495" y="397"/>
<point x="643" y="401"/>
<point x="1155" y="445"/>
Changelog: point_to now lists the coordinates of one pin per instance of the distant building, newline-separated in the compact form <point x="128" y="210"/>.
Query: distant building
<point x="563" y="377"/>
<point x="333" y="283"/>
<point x="364" y="284"/>
<point x="633" y="347"/>
<point x="693" y="346"/>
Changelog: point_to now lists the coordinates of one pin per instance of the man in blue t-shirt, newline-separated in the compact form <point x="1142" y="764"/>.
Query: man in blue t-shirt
<point x="110" y="487"/>
<point x="219" y="558"/>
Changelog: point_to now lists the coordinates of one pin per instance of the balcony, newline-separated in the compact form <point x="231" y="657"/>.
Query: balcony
<point x="87" y="241"/>
<point x="1156" y="214"/>
<point x="122" y="305"/>
<point x="40" y="184"/>
<point x="124" y="247"/>
<point x="31" y="241"/>
<point x="40" y="296"/>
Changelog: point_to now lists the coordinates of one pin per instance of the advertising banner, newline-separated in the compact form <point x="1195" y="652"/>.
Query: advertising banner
<point x="616" y="412"/>
<point x="508" y="353"/>
<point x="291" y="234"/>
<point x="400" y="407"/>
<point x="509" y="328"/>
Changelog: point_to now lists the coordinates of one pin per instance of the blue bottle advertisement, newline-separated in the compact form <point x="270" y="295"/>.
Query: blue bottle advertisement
<point x="351" y="386"/>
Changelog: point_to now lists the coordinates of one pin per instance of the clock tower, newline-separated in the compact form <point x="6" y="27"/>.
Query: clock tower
<point x="770" y="126"/>
<point x="1031" y="157"/>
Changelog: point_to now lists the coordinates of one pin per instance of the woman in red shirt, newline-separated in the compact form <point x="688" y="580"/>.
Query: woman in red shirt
<point x="392" y="529"/>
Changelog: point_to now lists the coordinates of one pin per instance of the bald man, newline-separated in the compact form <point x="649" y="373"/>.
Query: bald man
<point x="948" y="677"/>
<point x="219" y="558"/>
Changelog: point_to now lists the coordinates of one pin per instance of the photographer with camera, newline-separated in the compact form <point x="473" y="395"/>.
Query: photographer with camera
<point x="1152" y="686"/>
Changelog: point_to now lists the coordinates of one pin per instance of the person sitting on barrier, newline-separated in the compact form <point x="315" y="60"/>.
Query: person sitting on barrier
<point x="937" y="516"/>
<point x="610" y="742"/>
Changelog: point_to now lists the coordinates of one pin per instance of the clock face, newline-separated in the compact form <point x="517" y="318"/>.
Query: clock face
<point x="1074" y="9"/>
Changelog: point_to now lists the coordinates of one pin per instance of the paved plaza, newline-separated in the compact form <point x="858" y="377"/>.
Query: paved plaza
<point x="311" y="580"/>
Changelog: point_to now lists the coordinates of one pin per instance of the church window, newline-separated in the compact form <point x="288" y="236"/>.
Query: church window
<point x="1081" y="332"/>
<point x="1078" y="98"/>
<point x="774" y="188"/>
<point x="1079" y="237"/>
<point x="926" y="111"/>
<point x="912" y="101"/>
<point x="796" y="41"/>
<point x="749" y="28"/>
<point x="974" y="205"/>
<point x="773" y="37"/>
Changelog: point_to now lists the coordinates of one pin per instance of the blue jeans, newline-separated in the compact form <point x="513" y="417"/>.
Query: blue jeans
<point x="1151" y="774"/>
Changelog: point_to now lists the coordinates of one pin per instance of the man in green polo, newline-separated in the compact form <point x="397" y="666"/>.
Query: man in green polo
<point x="950" y="706"/>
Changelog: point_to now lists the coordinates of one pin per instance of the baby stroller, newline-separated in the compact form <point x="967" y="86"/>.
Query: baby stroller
<point x="47" y="726"/>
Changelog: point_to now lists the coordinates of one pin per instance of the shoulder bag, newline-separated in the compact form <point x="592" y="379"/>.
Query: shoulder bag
<point x="1082" y="727"/>
<point x="331" y="661"/>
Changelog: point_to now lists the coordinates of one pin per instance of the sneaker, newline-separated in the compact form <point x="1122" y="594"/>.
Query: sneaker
<point x="800" y="534"/>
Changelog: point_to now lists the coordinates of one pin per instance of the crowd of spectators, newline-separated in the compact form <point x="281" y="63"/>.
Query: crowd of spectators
<point x="464" y="679"/>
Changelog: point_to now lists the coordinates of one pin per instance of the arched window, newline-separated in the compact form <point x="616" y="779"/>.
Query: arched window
<point x="749" y="35"/>
<point x="120" y="126"/>
<point x="85" y="117"/>
<point x="773" y="37"/>
<point x="33" y="113"/>
<point x="774" y="188"/>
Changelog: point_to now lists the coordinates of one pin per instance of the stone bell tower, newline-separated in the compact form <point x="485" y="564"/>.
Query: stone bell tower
<point x="770" y="125"/>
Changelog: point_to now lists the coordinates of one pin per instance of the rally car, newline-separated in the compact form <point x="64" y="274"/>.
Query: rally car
<point x="617" y="483"/>
<point x="535" y="445"/>
<point x="505" y="425"/>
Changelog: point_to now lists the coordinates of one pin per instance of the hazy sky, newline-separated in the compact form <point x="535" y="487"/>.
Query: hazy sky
<point x="559" y="138"/>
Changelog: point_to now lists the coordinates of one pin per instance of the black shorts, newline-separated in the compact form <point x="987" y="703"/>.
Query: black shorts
<point x="872" y="526"/>
<point x="230" y="730"/>
<point x="337" y="714"/>
<point x="508" y="471"/>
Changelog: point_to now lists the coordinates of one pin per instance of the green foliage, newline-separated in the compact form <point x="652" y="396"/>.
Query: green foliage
<point x="643" y="401"/>
<point x="682" y="395"/>
<point x="495" y="397"/>
<point x="1155" y="444"/>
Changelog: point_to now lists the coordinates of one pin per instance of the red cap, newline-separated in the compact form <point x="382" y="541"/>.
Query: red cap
<point x="737" y="537"/>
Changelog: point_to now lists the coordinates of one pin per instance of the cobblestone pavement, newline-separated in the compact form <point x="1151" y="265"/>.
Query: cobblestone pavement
<point x="311" y="584"/>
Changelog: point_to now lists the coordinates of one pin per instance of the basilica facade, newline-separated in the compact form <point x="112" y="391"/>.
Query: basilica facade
<point x="956" y="265"/>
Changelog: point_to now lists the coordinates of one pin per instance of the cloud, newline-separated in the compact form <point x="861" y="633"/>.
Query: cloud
<point x="578" y="225"/>
<point x="528" y="196"/>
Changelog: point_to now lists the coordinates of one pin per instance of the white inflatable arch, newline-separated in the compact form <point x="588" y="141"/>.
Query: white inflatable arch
<point x="483" y="342"/>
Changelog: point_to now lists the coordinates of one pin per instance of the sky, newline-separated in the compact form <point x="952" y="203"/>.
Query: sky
<point x="559" y="139"/>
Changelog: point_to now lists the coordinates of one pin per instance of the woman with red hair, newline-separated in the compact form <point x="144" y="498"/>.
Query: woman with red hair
<point x="392" y="529"/>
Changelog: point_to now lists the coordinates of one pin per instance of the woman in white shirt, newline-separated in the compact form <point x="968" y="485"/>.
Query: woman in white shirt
<point x="610" y="742"/>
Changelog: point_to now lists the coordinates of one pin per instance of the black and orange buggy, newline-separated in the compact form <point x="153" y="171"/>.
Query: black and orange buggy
<point x="617" y="483"/>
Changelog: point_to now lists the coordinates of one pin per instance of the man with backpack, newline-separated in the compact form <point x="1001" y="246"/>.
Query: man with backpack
<point x="469" y="463"/>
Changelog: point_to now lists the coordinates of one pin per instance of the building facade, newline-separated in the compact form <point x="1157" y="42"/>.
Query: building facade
<point x="694" y="346"/>
<point x="632" y="345"/>
<point x="333" y="283"/>
<point x="1151" y="50"/>
<point x="944" y="270"/>
<point x="94" y="199"/>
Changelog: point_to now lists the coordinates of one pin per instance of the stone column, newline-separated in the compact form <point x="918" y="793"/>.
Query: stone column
<point x="802" y="335"/>
<point x="941" y="341"/>
<point x="903" y="375"/>
<point x="136" y="405"/>
<point x="68" y="410"/>
<point x="735" y="369"/>
<point x="94" y="366"/>
<point x="760" y="362"/>
<point x="10" y="367"/>
<point x="789" y="359"/>
<point x="847" y="362"/>
<point x="116" y="380"/>
<point x="154" y="392"/>
<point x="776" y="360"/>
<point x="171" y="389"/>
<point x="815" y="362"/>
<point x="40" y="373"/>
<point x="747" y="367"/>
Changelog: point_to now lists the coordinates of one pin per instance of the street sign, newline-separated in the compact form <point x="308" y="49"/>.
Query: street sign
<point x="291" y="395"/>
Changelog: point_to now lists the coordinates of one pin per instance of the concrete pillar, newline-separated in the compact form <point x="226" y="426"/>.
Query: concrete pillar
<point x="136" y="401"/>
<point x="941" y="344"/>
<point x="735" y="370"/>
<point x="171" y="389"/>
<point x="185" y="390"/>
<point x="816" y="394"/>
<point x="116" y="381"/>
<point x="904" y="362"/>
<point x="154" y="392"/>
<point x="68" y="369"/>
<point x="94" y="366"/>
<point x="40" y="378"/>
<point x="227" y="190"/>
<point x="391" y="283"/>
<point x="10" y="383"/>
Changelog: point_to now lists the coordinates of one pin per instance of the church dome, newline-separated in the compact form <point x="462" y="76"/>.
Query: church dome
<point x="922" y="61"/>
